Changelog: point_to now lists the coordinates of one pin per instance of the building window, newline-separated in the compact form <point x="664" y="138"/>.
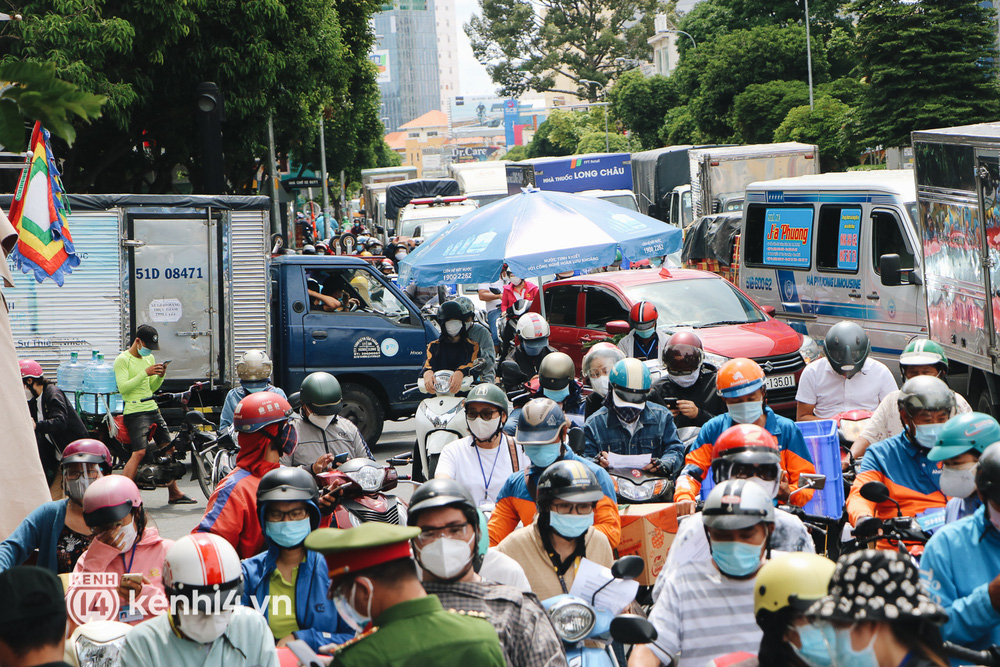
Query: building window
<point x="413" y="135"/>
<point x="432" y="133"/>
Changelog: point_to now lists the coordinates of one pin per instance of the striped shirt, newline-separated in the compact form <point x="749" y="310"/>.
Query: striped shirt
<point x="702" y="614"/>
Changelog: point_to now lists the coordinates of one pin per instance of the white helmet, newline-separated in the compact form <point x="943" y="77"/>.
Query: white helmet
<point x="204" y="569"/>
<point x="533" y="331"/>
<point x="254" y="365"/>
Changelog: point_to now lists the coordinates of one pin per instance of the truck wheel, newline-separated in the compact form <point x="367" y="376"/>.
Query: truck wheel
<point x="363" y="408"/>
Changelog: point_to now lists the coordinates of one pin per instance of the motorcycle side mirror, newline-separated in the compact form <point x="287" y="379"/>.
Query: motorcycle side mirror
<point x="628" y="568"/>
<point x="196" y="418"/>
<point x="632" y="629"/>
<point x="812" y="481"/>
<point x="875" y="492"/>
<point x="575" y="442"/>
<point x="295" y="400"/>
<point x="512" y="373"/>
<point x="495" y="290"/>
<point x="615" y="327"/>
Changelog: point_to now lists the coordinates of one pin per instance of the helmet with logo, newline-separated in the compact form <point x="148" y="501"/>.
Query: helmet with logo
<point x="736" y="504"/>
<point x="533" y="331"/>
<point x="465" y="303"/>
<point x="925" y="393"/>
<point x="30" y="368"/>
<point x="571" y="481"/>
<point x="203" y="569"/>
<point x="683" y="353"/>
<point x="847" y="348"/>
<point x="541" y="422"/>
<point x="109" y="499"/>
<point x="321" y="393"/>
<point x="610" y="353"/>
<point x="260" y="409"/>
<point x="556" y="371"/>
<point x="442" y="492"/>
<point x="87" y="450"/>
<point x="642" y="316"/>
<point x="287" y="484"/>
<point x="630" y="380"/>
<point x="924" y="352"/>
<point x="449" y="310"/>
<point x="739" y="377"/>
<point x="254" y="365"/>
<point x="988" y="473"/>
<point x="791" y="581"/>
<point x="490" y="394"/>
<point x="744" y="445"/>
<point x="972" y="431"/>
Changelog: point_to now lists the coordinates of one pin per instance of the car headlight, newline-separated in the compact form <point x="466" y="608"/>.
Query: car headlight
<point x="637" y="492"/>
<point x="715" y="359"/>
<point x="810" y="350"/>
<point x="573" y="621"/>
<point x="98" y="654"/>
<point x="369" y="478"/>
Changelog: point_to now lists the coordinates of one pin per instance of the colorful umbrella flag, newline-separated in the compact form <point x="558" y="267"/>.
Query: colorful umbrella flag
<point x="38" y="212"/>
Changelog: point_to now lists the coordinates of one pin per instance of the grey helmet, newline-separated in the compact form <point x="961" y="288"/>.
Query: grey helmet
<point x="925" y="393"/>
<point x="254" y="365"/>
<point x="847" y="348"/>
<point x="736" y="504"/>
<point x="556" y="371"/>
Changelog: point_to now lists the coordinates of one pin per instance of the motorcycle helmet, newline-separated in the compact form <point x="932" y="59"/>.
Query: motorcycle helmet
<point x="109" y="499"/>
<point x="440" y="492"/>
<point x="30" y="368"/>
<point x="744" y="445"/>
<point x="541" y="422"/>
<point x="260" y="409"/>
<point x="468" y="308"/>
<point x="204" y="570"/>
<point x="254" y="365"/>
<point x="642" y="316"/>
<point x="533" y="331"/>
<point x="321" y="393"/>
<point x="87" y="450"/>
<point x="739" y="377"/>
<point x="609" y="352"/>
<point x="450" y="310"/>
<point x="925" y="393"/>
<point x="923" y="352"/>
<point x="556" y="371"/>
<point x="489" y="394"/>
<point x="683" y="353"/>
<point x="973" y="431"/>
<point x="791" y="581"/>
<point x="630" y="380"/>
<point x="847" y="348"/>
<point x="571" y="481"/>
<point x="736" y="504"/>
<point x="988" y="474"/>
<point x="387" y="267"/>
<point x="288" y="484"/>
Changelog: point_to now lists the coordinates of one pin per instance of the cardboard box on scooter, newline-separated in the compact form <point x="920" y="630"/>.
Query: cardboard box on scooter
<point x="648" y="530"/>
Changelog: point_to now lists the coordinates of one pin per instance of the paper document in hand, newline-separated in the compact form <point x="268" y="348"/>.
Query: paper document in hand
<point x="614" y="597"/>
<point x="629" y="461"/>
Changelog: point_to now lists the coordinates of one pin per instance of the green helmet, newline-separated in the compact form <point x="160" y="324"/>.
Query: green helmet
<point x="320" y="392"/>
<point x="468" y="308"/>
<point x="963" y="433"/>
<point x="490" y="394"/>
<point x="925" y="394"/>
<point x="923" y="352"/>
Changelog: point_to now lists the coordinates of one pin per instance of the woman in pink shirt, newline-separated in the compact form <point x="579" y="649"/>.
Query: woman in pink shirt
<point x="515" y="288"/>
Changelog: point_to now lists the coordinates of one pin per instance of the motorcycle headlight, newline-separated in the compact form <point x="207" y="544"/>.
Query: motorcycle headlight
<point x="369" y="478"/>
<point x="98" y="654"/>
<point x="715" y="359"/>
<point x="355" y="520"/>
<point x="573" y="621"/>
<point x="637" y="492"/>
<point x="810" y="350"/>
<point x="442" y="382"/>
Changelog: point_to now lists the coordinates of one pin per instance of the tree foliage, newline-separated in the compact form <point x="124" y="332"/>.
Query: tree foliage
<point x="597" y="142"/>
<point x="828" y="126"/>
<point x="758" y="111"/>
<point x="635" y="99"/>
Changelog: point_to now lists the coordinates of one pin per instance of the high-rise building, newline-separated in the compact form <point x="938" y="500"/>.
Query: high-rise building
<point x="406" y="53"/>
<point x="447" y="36"/>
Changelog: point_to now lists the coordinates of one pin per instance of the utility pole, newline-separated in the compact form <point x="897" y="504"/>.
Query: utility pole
<point x="809" y="57"/>
<point x="322" y="167"/>
<point x="275" y="210"/>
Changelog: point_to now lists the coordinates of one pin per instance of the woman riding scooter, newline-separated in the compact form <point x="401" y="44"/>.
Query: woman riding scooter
<point x="596" y="368"/>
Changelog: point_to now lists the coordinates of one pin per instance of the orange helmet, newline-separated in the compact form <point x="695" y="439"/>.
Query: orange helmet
<point x="745" y="445"/>
<point x="739" y="377"/>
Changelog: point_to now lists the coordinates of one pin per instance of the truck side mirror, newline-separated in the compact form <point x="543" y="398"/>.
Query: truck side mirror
<point x="889" y="267"/>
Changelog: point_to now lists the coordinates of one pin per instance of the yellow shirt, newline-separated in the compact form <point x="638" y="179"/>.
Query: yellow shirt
<point x="134" y="384"/>
<point x="281" y="606"/>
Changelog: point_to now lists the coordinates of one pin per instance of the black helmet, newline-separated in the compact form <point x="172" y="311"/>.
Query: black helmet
<point x="321" y="393"/>
<point x="442" y="492"/>
<point x="847" y="348"/>
<point x="556" y="371"/>
<point x="568" y="480"/>
<point x="925" y="393"/>
<point x="988" y="473"/>
<point x="450" y="310"/>
<point x="288" y="484"/>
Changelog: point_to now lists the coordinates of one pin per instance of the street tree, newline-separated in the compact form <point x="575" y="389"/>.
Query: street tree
<point x="640" y="102"/>
<point x="761" y="107"/>
<point x="829" y="125"/>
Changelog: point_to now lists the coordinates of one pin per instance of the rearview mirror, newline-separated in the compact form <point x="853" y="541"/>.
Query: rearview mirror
<point x="888" y="266"/>
<point x="295" y="400"/>
<point x="627" y="567"/>
<point x="632" y="629"/>
<point x="615" y="327"/>
<point x="875" y="492"/>
<point x="768" y="310"/>
<point x="196" y="418"/>
<point x="512" y="373"/>
<point x="575" y="440"/>
<point x="812" y="481"/>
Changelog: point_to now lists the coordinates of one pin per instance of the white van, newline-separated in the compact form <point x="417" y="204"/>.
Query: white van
<point x="819" y="249"/>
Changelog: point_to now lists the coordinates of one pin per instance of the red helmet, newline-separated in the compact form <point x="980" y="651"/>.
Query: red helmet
<point x="109" y="499"/>
<point x="642" y="316"/>
<point x="683" y="353"/>
<point x="744" y="444"/>
<point x="260" y="409"/>
<point x="88" y="450"/>
<point x="30" y="368"/>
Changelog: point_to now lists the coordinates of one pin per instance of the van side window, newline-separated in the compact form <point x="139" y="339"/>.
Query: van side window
<point x="887" y="238"/>
<point x="837" y="238"/>
<point x="777" y="235"/>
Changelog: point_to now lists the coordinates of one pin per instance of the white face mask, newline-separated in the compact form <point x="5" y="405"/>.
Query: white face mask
<point x="129" y="534"/>
<point x="28" y="396"/>
<point x="204" y="628"/>
<point x="958" y="481"/>
<point x="400" y="255"/>
<point x="446" y="558"/>
<point x="770" y="488"/>
<point x="600" y="385"/>
<point x="484" y="429"/>
<point x="684" y="381"/>
<point x="453" y="327"/>
<point x="322" y="421"/>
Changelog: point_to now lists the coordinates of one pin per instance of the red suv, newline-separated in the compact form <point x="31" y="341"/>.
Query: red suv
<point x="586" y="309"/>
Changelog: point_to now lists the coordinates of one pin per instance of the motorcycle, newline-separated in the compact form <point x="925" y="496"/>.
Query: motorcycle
<point x="96" y="644"/>
<point x="440" y="420"/>
<point x="508" y="326"/>
<point x="364" y="484"/>
<point x="577" y="620"/>
<point x="909" y="534"/>
<point x="212" y="457"/>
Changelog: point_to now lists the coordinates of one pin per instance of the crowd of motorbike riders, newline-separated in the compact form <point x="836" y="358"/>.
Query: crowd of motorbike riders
<point x="508" y="513"/>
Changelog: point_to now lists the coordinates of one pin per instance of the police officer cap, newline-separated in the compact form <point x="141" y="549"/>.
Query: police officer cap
<point x="365" y="546"/>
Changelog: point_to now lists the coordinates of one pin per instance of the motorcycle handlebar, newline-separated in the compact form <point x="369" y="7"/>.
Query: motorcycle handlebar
<point x="988" y="658"/>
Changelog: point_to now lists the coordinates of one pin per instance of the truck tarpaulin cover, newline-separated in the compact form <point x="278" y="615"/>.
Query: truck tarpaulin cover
<point x="711" y="238"/>
<point x="400" y="194"/>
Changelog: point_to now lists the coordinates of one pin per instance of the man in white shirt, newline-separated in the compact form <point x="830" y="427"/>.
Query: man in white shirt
<point x="845" y="379"/>
<point x="484" y="460"/>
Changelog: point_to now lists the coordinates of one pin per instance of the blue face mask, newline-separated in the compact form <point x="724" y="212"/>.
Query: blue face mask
<point x="645" y="333"/>
<point x="736" y="559"/>
<point x="815" y="651"/>
<point x="557" y="395"/>
<point x="543" y="456"/>
<point x="571" y="525"/>
<point x="927" y="434"/>
<point x="253" y="386"/>
<point x="144" y="351"/>
<point x="289" y="533"/>
<point x="844" y="654"/>
<point x="746" y="413"/>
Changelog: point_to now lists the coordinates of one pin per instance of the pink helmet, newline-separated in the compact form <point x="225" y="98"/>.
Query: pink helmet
<point x="109" y="499"/>
<point x="30" y="368"/>
<point x="88" y="450"/>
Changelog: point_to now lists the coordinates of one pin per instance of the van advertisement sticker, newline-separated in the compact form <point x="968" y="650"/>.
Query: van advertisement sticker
<point x="847" y="239"/>
<point x="789" y="231"/>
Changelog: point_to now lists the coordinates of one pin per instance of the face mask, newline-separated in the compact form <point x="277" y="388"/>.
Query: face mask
<point x="684" y="381"/>
<point x="571" y="525"/>
<point x="993" y="515"/>
<point x="557" y="395"/>
<point x="746" y="413"/>
<point x="205" y="628"/>
<point x="346" y="609"/>
<point x="600" y="385"/>
<point x="770" y="488"/>
<point x="129" y="534"/>
<point x="815" y="651"/>
<point x="626" y="412"/>
<point x="28" y="396"/>
<point x="958" y="482"/>
<point x="645" y="333"/>
<point x="515" y="281"/>
<point x="289" y="533"/>
<point x="844" y="654"/>
<point x="400" y="255"/>
<point x="253" y="386"/>
<point x="75" y="488"/>
<point x="144" y="351"/>
<point x="736" y="559"/>
<point x="321" y="421"/>
<point x="446" y="558"/>
<point x="542" y="456"/>
<point x="484" y="429"/>
<point x="505" y="279"/>
<point x="927" y="434"/>
<point x="453" y="327"/>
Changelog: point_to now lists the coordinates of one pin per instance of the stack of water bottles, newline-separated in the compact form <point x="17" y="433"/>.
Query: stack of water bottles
<point x="95" y="382"/>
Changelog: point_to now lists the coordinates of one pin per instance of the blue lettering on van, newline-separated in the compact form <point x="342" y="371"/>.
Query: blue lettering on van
<point x="758" y="283"/>
<point x="830" y="281"/>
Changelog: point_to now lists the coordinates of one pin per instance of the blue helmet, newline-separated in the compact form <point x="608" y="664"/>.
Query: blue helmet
<point x="973" y="431"/>
<point x="630" y="380"/>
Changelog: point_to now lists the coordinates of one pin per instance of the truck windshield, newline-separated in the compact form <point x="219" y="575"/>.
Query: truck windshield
<point x="426" y="227"/>
<point x="624" y="201"/>
<point x="698" y="303"/>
